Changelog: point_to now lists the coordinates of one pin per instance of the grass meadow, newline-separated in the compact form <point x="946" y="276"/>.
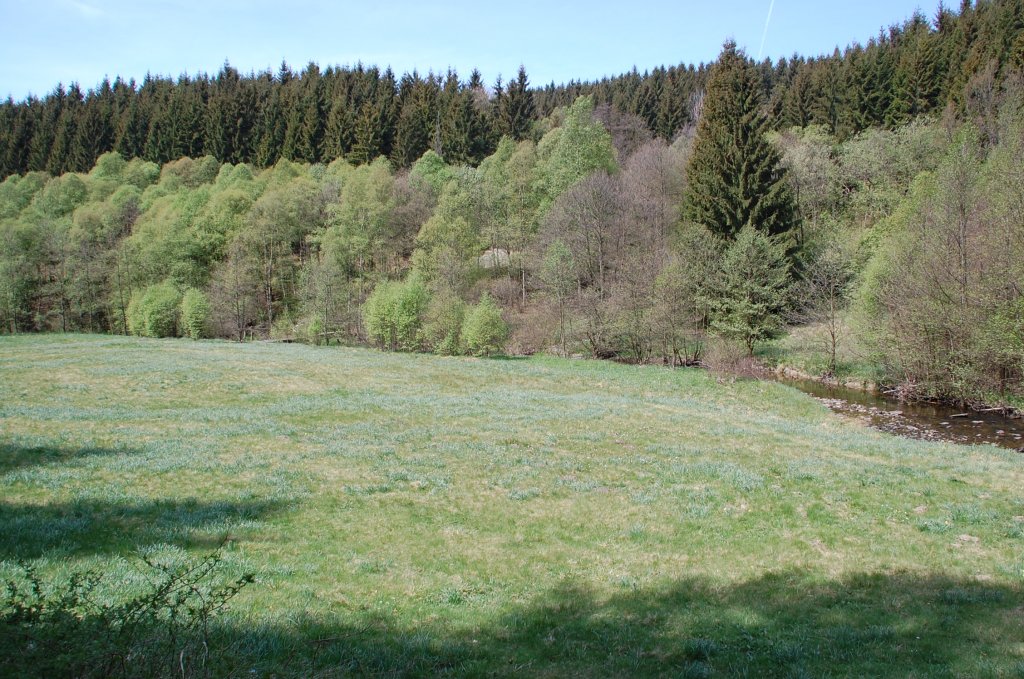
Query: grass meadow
<point x="411" y="515"/>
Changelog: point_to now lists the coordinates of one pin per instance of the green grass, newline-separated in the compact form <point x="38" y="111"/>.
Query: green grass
<point x="416" y="515"/>
<point x="803" y="348"/>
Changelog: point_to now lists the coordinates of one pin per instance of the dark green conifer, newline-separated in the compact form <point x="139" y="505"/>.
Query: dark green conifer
<point x="735" y="176"/>
<point x="517" y="109"/>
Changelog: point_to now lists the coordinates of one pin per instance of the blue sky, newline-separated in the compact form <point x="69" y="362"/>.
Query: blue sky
<point x="43" y="42"/>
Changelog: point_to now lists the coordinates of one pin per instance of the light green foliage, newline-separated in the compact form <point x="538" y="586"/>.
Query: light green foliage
<point x="60" y="196"/>
<point x="23" y="249"/>
<point x="16" y="192"/>
<point x="432" y="170"/>
<point x="141" y="173"/>
<point x="558" y="273"/>
<point x="449" y="242"/>
<point x="680" y="314"/>
<point x="154" y="312"/>
<point x="125" y="202"/>
<point x="222" y="217"/>
<point x="567" y="154"/>
<point x="443" y="325"/>
<point x="315" y="331"/>
<point x="238" y="176"/>
<point x="394" y="314"/>
<point x="327" y="297"/>
<point x="484" y="331"/>
<point x="938" y="303"/>
<point x="109" y="166"/>
<point x="195" y="314"/>
<point x="169" y="240"/>
<point x="747" y="298"/>
<point x="808" y="154"/>
<point x="189" y="173"/>
<point x="357" y="236"/>
<point x="877" y="166"/>
<point x="512" y="198"/>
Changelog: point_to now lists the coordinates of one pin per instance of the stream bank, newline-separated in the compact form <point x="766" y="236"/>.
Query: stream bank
<point x="910" y="419"/>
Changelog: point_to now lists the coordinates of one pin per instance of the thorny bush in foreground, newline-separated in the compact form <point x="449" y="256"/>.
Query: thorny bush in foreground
<point x="67" y="628"/>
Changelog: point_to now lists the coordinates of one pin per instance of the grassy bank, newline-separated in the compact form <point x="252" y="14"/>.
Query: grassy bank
<point x="803" y="350"/>
<point x="409" y="514"/>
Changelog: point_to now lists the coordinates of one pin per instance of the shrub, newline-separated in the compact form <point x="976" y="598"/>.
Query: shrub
<point x="70" y="628"/>
<point x="315" y="331"/>
<point x="195" y="314"/>
<point x="727" y="359"/>
<point x="443" y="328"/>
<point x="748" y="298"/>
<point x="484" y="331"/>
<point x="153" y="312"/>
<point x="394" y="313"/>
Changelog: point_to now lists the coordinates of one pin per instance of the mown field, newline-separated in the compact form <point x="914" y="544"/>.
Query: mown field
<point x="416" y="515"/>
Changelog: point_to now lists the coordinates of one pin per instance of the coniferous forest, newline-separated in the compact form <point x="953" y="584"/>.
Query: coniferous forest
<point x="687" y="214"/>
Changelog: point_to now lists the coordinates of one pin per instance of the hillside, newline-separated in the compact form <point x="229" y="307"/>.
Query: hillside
<point x="409" y="514"/>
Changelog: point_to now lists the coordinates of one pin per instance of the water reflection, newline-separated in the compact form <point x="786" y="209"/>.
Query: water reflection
<point x="924" y="421"/>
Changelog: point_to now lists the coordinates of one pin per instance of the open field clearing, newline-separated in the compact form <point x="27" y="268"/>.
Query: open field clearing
<point x="416" y="515"/>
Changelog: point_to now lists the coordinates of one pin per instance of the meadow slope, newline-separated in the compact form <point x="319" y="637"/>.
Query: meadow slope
<point x="410" y="514"/>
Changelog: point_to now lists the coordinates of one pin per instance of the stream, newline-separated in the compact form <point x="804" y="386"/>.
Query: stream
<point x="925" y="421"/>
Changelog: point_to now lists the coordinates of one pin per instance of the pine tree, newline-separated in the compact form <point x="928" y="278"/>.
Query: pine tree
<point x="95" y="135"/>
<point x="60" y="158"/>
<point x="417" y="121"/>
<point x="131" y="139"/>
<point x="271" y="127"/>
<point x="340" y="132"/>
<point x="517" y="109"/>
<point x="310" y="139"/>
<point x="672" y="109"/>
<point x="222" y="113"/>
<point x="18" y="133"/>
<point x="735" y="177"/>
<point x="747" y="299"/>
<point x="45" y="130"/>
<point x="366" y="144"/>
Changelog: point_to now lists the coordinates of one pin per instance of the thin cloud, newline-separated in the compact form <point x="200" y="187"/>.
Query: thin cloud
<point x="764" y="36"/>
<point x="84" y="9"/>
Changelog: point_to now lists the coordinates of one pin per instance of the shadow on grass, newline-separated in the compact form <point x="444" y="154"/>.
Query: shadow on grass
<point x="118" y="524"/>
<point x="789" y="624"/>
<point x="14" y="457"/>
<point x="83" y="527"/>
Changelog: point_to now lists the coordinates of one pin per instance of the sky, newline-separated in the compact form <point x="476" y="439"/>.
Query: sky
<point x="43" y="42"/>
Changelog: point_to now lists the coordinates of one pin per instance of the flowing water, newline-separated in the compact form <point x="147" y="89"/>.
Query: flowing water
<point x="925" y="421"/>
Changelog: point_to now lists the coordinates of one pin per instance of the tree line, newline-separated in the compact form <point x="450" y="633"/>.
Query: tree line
<point x="360" y="113"/>
<point x="589" y="235"/>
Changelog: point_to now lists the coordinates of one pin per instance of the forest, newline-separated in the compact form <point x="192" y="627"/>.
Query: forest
<point x="683" y="215"/>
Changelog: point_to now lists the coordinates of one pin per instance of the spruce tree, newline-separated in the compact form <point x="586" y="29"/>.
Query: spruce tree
<point x="94" y="136"/>
<point x="272" y="126"/>
<point x="131" y="139"/>
<point x="65" y="131"/>
<point x="735" y="176"/>
<point x="516" y="108"/>
<point x="747" y="299"/>
<point x="366" y="143"/>
<point x="339" y="134"/>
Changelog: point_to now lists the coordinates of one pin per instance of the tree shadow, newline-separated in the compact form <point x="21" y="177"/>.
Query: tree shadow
<point x="787" y="624"/>
<point x="14" y="457"/>
<point x="97" y="525"/>
<point x="85" y="527"/>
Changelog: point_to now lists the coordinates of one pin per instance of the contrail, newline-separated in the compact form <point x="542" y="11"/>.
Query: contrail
<point x="764" y="35"/>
